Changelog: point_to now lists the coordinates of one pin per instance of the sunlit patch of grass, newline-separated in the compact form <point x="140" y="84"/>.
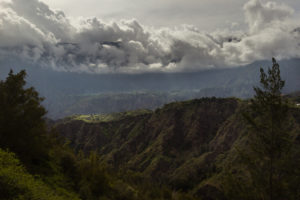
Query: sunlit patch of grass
<point x="96" y="118"/>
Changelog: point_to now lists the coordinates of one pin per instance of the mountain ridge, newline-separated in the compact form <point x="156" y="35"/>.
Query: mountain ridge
<point x="156" y="144"/>
<point x="68" y="93"/>
<point x="182" y="144"/>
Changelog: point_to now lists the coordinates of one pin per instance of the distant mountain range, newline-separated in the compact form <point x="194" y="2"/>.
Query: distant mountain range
<point x="69" y="93"/>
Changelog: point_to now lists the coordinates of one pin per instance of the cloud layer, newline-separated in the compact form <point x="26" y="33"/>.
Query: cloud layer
<point x="33" y="32"/>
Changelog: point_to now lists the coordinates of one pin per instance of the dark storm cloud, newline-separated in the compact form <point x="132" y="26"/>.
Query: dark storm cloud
<point x="31" y="31"/>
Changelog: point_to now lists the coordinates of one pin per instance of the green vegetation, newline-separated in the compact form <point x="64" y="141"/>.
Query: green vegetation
<point x="21" y="120"/>
<point x="268" y="165"/>
<point x="39" y="165"/>
<point x="200" y="146"/>
<point x="169" y="147"/>
<point x="97" y="118"/>
<point x="17" y="183"/>
<point x="205" y="149"/>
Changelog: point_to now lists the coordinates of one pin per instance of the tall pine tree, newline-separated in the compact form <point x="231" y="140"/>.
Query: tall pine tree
<point x="266" y="167"/>
<point x="270" y="139"/>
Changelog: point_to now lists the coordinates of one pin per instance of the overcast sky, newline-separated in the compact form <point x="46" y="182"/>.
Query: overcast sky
<point x="205" y="14"/>
<point x="135" y="36"/>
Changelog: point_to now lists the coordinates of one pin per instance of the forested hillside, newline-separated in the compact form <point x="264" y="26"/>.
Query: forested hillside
<point x="195" y="146"/>
<point x="208" y="148"/>
<point x="36" y="163"/>
<point x="183" y="145"/>
<point x="149" y="100"/>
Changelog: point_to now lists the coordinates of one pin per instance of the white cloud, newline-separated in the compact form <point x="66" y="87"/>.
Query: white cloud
<point x="33" y="32"/>
<point x="259" y="15"/>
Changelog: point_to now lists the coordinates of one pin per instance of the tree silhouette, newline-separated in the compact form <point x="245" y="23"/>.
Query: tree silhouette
<point x="22" y="124"/>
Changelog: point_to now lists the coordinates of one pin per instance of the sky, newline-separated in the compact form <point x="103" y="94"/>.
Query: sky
<point x="158" y="13"/>
<point x="207" y="15"/>
<point x="134" y="36"/>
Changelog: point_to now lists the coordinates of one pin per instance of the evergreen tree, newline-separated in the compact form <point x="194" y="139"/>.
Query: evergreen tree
<point x="267" y="162"/>
<point x="22" y="123"/>
<point x="269" y="137"/>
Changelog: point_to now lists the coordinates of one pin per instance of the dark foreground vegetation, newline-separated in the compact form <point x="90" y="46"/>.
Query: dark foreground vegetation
<point x="210" y="148"/>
